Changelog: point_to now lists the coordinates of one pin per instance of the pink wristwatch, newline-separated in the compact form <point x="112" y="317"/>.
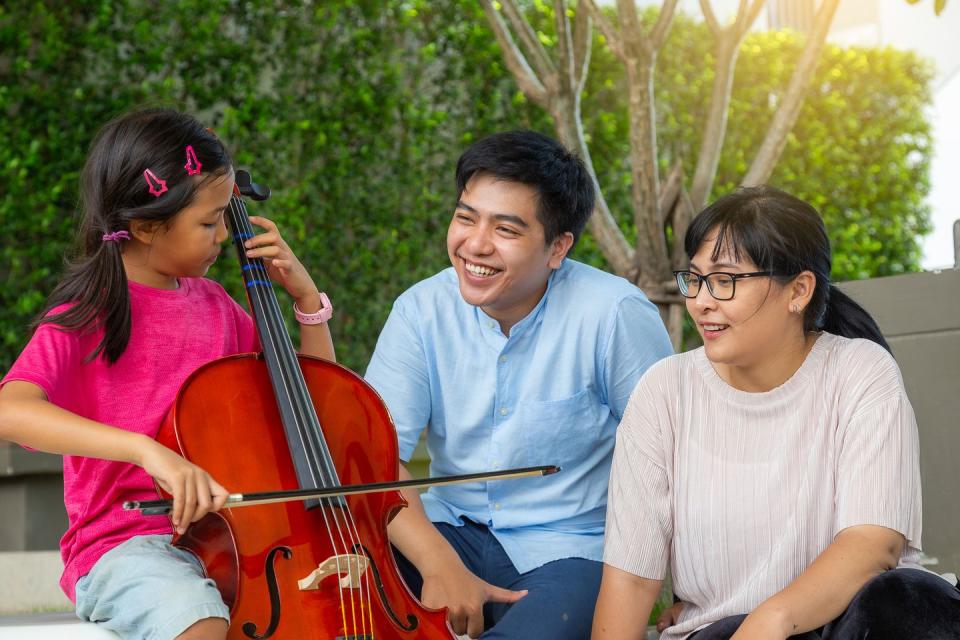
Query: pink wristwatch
<point x="317" y="317"/>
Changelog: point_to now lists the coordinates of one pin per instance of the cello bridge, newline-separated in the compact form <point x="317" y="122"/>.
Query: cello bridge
<point x="349" y="566"/>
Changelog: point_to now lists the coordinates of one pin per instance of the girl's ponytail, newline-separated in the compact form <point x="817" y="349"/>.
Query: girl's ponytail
<point x="96" y="289"/>
<point x="844" y="317"/>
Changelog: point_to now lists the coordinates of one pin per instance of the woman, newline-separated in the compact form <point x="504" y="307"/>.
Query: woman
<point x="775" y="468"/>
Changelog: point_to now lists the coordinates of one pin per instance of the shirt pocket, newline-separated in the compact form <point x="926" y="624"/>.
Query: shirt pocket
<point x="558" y="432"/>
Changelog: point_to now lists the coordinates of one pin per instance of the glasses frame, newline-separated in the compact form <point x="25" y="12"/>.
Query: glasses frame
<point x="706" y="277"/>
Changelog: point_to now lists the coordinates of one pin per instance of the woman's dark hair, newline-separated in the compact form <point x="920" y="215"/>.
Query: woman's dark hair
<point x="783" y="235"/>
<point x="561" y="180"/>
<point x="114" y="191"/>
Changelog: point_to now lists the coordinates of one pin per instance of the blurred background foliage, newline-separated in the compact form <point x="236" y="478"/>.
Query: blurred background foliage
<point x="355" y="112"/>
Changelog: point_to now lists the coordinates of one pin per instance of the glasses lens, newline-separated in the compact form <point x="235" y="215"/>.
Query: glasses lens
<point x="722" y="286"/>
<point x="689" y="284"/>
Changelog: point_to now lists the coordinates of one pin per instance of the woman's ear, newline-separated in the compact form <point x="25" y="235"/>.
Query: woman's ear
<point x="801" y="290"/>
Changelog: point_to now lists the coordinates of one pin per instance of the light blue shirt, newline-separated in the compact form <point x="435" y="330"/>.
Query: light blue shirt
<point x="552" y="392"/>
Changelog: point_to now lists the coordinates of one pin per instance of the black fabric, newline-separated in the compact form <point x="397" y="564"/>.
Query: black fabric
<point x="896" y="605"/>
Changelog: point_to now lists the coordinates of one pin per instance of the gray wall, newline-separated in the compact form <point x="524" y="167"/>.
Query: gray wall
<point x="919" y="314"/>
<point x="32" y="515"/>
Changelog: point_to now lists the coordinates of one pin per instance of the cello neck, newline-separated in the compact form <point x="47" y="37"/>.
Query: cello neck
<point x="308" y="449"/>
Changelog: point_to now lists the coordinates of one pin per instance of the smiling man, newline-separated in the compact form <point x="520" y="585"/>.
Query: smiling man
<point x="516" y="356"/>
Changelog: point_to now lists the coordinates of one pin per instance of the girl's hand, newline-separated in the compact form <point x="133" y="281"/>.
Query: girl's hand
<point x="282" y="265"/>
<point x="195" y="493"/>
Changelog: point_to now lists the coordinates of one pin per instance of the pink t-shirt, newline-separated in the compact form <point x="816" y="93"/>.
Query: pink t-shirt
<point x="173" y="332"/>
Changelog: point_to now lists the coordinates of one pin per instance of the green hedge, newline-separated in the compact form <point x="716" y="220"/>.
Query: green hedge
<point x="355" y="112"/>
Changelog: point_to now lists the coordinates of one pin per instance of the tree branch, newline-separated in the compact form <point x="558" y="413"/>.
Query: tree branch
<point x="710" y="17"/>
<point x="582" y="38"/>
<point x="526" y="79"/>
<point x="789" y="109"/>
<point x="606" y="27"/>
<point x="670" y="190"/>
<point x="664" y="22"/>
<point x="636" y="43"/>
<point x="750" y="16"/>
<point x="539" y="59"/>
<point x="715" y="127"/>
<point x="564" y="47"/>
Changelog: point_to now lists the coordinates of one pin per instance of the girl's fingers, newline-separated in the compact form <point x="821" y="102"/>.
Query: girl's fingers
<point x="263" y="239"/>
<point x="219" y="494"/>
<point x="268" y="251"/>
<point x="204" y="497"/>
<point x="177" y="514"/>
<point x="189" y="502"/>
<point x="264" y="223"/>
<point x="283" y="265"/>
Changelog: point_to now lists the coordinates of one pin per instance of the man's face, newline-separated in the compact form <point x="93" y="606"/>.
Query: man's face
<point x="496" y="244"/>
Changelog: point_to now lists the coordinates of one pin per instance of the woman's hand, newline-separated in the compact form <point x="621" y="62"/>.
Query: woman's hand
<point x="195" y="493"/>
<point x="669" y="616"/>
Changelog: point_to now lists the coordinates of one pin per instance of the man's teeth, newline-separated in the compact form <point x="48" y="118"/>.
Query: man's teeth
<point x="476" y="269"/>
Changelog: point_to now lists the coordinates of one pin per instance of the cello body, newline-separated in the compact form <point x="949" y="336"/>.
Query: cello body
<point x="225" y="420"/>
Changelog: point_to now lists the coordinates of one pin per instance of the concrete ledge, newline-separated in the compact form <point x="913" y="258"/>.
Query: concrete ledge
<point x="51" y="627"/>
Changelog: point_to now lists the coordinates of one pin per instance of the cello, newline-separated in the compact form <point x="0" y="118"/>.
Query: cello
<point x="267" y="409"/>
<point x="316" y="568"/>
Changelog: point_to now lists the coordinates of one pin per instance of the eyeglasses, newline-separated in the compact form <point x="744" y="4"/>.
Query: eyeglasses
<point x="721" y="285"/>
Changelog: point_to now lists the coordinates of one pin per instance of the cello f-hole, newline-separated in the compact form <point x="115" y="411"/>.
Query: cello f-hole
<point x="412" y="621"/>
<point x="249" y="628"/>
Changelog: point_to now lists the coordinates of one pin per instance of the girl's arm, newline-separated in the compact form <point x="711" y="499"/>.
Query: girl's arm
<point x="285" y="268"/>
<point x="823" y="592"/>
<point x="315" y="339"/>
<point x="29" y="419"/>
<point x="624" y="605"/>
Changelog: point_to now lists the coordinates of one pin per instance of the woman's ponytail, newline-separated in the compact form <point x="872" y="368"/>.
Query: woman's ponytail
<point x="844" y="317"/>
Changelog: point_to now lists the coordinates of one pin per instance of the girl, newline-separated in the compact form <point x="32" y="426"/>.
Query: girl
<point x="132" y="318"/>
<point x="776" y="468"/>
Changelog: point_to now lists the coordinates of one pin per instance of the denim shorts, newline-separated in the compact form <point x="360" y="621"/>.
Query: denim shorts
<point x="148" y="589"/>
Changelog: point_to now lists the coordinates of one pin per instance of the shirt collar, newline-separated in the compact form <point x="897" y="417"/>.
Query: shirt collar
<point x="533" y="318"/>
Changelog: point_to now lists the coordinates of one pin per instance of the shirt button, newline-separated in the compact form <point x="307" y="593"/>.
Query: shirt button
<point x="504" y="411"/>
<point x="503" y="358"/>
<point x="496" y="506"/>
<point x="491" y="324"/>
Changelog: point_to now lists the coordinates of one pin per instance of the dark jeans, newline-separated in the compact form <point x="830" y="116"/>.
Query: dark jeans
<point x="896" y="605"/>
<point x="562" y="594"/>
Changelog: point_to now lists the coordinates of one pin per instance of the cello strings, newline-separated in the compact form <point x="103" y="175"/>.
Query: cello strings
<point x="274" y="350"/>
<point x="305" y="417"/>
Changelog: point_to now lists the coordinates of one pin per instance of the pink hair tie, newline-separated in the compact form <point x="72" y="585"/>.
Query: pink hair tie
<point x="116" y="236"/>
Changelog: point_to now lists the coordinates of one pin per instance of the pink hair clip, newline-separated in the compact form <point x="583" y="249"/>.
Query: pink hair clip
<point x="193" y="165"/>
<point x="116" y="236"/>
<point x="155" y="184"/>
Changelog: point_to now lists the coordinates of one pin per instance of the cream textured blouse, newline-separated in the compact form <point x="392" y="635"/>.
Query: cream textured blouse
<point x="739" y="492"/>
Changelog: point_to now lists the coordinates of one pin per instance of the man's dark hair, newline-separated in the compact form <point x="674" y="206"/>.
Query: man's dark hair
<point x="563" y="184"/>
